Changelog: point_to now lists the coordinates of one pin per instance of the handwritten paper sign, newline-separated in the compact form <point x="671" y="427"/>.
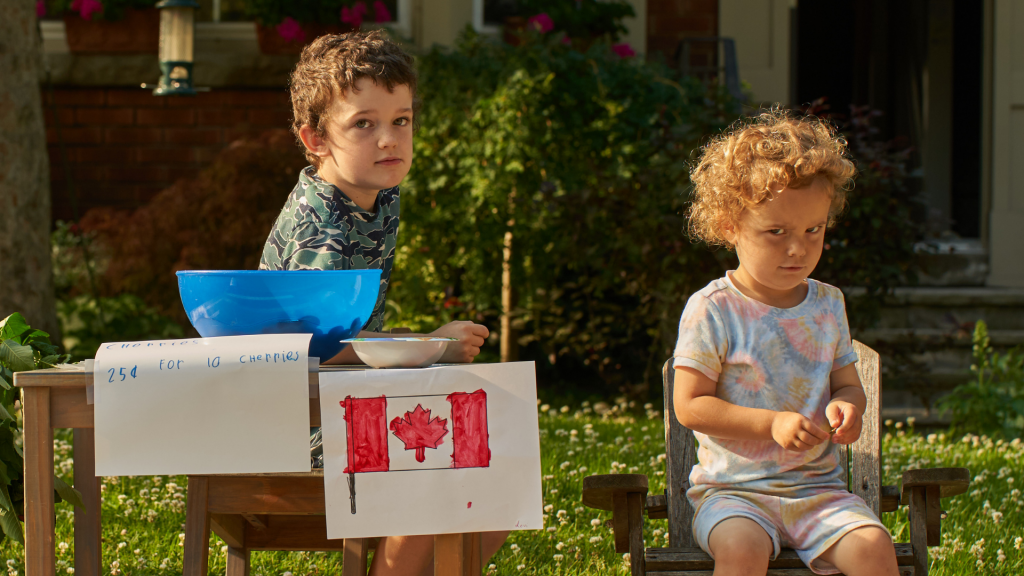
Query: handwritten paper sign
<point x="431" y="450"/>
<point x="226" y="405"/>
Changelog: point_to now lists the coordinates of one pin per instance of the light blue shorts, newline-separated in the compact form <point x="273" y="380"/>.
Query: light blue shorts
<point x="809" y="525"/>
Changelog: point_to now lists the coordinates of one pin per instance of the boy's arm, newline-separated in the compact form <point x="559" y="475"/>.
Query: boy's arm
<point x="698" y="409"/>
<point x="845" y="410"/>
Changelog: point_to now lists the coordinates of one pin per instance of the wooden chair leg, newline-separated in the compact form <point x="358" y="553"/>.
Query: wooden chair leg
<point x="87" y="522"/>
<point x="354" y="561"/>
<point x="635" y="507"/>
<point x="919" y="530"/>
<point x="197" y="528"/>
<point x="238" y="561"/>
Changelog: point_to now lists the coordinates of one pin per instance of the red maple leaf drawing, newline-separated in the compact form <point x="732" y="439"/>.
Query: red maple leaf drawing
<point x="419" y="432"/>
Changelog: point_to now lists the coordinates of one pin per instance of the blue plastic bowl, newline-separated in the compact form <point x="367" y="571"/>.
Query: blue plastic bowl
<point x="331" y="305"/>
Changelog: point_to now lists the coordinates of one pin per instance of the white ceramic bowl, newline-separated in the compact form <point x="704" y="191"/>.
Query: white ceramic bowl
<point x="410" y="352"/>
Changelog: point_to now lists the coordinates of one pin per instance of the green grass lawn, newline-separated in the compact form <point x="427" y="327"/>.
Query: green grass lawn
<point x="143" y="517"/>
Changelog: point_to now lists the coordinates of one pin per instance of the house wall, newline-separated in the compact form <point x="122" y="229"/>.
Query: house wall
<point x="123" y="145"/>
<point x="669" y="21"/>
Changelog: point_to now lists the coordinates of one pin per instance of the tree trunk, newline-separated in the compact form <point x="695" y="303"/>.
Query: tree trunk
<point x="26" y="280"/>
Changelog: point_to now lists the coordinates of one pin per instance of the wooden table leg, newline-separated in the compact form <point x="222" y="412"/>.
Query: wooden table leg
<point x="40" y="556"/>
<point x="87" y="522"/>
<point x="458" y="554"/>
<point x="197" y="528"/>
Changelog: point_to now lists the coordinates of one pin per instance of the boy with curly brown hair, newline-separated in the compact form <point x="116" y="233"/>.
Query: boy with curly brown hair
<point x="765" y="373"/>
<point x="353" y="105"/>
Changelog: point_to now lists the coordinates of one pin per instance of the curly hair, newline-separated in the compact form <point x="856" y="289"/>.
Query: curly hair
<point x="757" y="157"/>
<point x="332" y="64"/>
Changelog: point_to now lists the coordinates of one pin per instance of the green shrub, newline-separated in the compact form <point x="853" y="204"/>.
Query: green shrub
<point x="993" y="401"/>
<point x="581" y="161"/>
<point x="21" y="349"/>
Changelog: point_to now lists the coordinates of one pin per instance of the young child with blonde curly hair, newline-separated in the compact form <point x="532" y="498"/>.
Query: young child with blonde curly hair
<point x="765" y="363"/>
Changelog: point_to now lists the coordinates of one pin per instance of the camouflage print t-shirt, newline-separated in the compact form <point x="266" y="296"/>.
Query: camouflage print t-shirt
<point x="320" y="228"/>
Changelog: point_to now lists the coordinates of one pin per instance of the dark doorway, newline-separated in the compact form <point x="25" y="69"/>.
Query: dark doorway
<point x="968" y="39"/>
<point x="825" y="53"/>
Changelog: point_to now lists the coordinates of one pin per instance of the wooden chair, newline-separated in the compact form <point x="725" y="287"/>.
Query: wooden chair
<point x="625" y="495"/>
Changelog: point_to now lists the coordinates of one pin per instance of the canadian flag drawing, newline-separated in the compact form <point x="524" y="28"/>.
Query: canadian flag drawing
<point x="411" y="433"/>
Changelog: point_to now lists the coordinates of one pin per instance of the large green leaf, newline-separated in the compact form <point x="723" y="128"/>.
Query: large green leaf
<point x="13" y="326"/>
<point x="16" y="357"/>
<point x="68" y="493"/>
<point x="11" y="526"/>
<point x="4" y="414"/>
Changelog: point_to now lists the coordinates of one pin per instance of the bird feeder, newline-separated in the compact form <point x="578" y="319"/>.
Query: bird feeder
<point x="177" y="39"/>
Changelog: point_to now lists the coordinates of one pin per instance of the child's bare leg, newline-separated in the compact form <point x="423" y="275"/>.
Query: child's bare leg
<point x="414" y="555"/>
<point x="741" y="547"/>
<point x="865" y="551"/>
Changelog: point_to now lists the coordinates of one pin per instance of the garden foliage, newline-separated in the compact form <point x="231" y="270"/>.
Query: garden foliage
<point x="577" y="161"/>
<point x="582" y="20"/>
<point x="993" y="401"/>
<point x="217" y="221"/>
<point x="21" y="349"/>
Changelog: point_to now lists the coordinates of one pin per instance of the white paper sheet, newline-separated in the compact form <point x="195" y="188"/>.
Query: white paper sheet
<point x="431" y="497"/>
<point x="226" y="405"/>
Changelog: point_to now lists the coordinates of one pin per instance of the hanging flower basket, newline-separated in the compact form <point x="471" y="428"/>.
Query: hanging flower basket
<point x="137" y="32"/>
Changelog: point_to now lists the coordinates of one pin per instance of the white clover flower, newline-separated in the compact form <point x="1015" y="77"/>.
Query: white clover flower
<point x="521" y="566"/>
<point x="625" y="557"/>
<point x="63" y="547"/>
<point x="997" y="517"/>
<point x="223" y="549"/>
<point x="121" y="545"/>
<point x="559" y="546"/>
<point x="595" y="539"/>
<point x="287" y="574"/>
<point x="564" y="465"/>
<point x="573" y="432"/>
<point x="579" y="510"/>
<point x="552" y="529"/>
<point x="595" y="522"/>
<point x="1000" y="557"/>
<point x="1018" y="542"/>
<point x="564" y="409"/>
<point x="554" y="490"/>
<point x="70" y="570"/>
<point x="492" y="566"/>
<point x="558" y="558"/>
<point x="561" y="514"/>
<point x="582" y="469"/>
<point x="545" y="407"/>
<point x="549" y="508"/>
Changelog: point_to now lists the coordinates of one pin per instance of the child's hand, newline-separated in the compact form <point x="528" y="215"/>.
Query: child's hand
<point x="845" y="419"/>
<point x="471" y="337"/>
<point x="795" y="432"/>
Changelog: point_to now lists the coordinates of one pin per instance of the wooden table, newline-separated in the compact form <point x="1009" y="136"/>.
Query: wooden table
<point x="58" y="399"/>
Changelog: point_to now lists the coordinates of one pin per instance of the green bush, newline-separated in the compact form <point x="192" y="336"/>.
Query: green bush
<point x="993" y="401"/>
<point x="21" y="349"/>
<point x="580" y="160"/>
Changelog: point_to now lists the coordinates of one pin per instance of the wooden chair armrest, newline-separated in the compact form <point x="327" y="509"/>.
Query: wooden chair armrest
<point x="626" y="496"/>
<point x="890" y="499"/>
<point x="950" y="481"/>
<point x="599" y="491"/>
<point x="657" y="506"/>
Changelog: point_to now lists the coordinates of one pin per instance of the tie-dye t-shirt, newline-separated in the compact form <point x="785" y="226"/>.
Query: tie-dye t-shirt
<point x="765" y="357"/>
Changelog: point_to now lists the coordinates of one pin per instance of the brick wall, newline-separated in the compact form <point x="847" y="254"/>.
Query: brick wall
<point x="669" y="21"/>
<point x="124" y="145"/>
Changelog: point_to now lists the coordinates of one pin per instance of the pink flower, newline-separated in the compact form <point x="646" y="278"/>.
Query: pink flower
<point x="353" y="16"/>
<point x="291" y="31"/>
<point x="623" y="50"/>
<point x="566" y="40"/>
<point x="381" y="12"/>
<point x="541" y="22"/>
<point x="86" y="8"/>
<point x="40" y="8"/>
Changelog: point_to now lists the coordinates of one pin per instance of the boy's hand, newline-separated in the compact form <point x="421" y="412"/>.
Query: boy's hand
<point x="795" y="432"/>
<point x="845" y="419"/>
<point x="471" y="337"/>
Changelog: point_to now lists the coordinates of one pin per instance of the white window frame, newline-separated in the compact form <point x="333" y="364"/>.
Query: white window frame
<point x="478" y="20"/>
